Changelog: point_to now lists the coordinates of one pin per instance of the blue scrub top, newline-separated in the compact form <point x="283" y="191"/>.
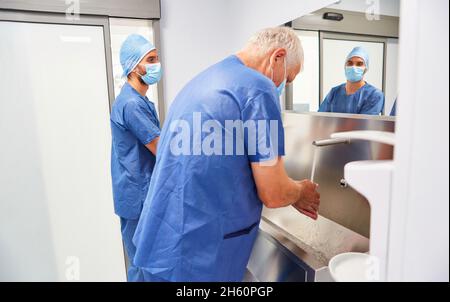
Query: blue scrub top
<point x="394" y="109"/>
<point x="367" y="100"/>
<point x="202" y="212"/>
<point x="134" y="124"/>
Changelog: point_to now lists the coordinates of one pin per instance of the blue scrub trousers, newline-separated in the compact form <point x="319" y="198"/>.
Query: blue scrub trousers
<point x="128" y="227"/>
<point x="148" y="277"/>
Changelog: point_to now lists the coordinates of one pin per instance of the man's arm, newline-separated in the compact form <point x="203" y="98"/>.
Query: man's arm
<point x="138" y="120"/>
<point x="276" y="189"/>
<point x="153" y="145"/>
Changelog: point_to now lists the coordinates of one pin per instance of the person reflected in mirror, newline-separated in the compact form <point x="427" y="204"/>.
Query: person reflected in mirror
<point x="356" y="96"/>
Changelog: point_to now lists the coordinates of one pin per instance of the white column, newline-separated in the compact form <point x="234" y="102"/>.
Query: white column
<point x="419" y="227"/>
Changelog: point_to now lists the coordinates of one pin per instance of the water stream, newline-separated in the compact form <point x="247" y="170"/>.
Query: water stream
<point x="315" y="158"/>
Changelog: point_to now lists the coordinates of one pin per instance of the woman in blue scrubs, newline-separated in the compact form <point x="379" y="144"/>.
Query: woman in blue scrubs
<point x="356" y="95"/>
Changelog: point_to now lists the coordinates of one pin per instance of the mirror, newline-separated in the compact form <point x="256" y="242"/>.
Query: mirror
<point x="328" y="37"/>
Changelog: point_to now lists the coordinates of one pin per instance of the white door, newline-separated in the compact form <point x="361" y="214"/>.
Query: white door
<point x="56" y="209"/>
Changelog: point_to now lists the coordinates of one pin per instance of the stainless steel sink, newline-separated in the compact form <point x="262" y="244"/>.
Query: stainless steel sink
<point x="294" y="248"/>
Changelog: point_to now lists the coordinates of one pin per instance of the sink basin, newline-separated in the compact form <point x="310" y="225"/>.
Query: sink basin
<point x="352" y="267"/>
<point x="318" y="240"/>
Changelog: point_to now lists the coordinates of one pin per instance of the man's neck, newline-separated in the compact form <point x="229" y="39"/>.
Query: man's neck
<point x="261" y="66"/>
<point x="138" y="86"/>
<point x="352" y="88"/>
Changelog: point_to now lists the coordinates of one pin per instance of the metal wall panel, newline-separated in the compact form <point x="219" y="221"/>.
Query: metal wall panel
<point x="146" y="9"/>
<point x="353" y="22"/>
<point x="342" y="205"/>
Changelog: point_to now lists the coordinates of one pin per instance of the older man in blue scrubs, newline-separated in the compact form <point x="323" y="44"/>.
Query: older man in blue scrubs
<point x="219" y="161"/>
<point x="356" y="95"/>
<point x="135" y="133"/>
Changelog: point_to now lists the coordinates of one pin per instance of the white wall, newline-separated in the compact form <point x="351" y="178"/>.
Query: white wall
<point x="387" y="7"/>
<point x="419" y="241"/>
<point x="198" y="33"/>
<point x="251" y="15"/>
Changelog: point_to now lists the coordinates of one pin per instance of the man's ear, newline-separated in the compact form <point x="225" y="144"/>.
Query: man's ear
<point x="277" y="54"/>
<point x="138" y="70"/>
<point x="280" y="53"/>
<point x="131" y="74"/>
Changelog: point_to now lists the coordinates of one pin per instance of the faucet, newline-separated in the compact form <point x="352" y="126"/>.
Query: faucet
<point x="330" y="142"/>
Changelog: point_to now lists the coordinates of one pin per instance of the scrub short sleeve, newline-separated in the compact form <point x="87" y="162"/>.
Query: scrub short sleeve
<point x="264" y="132"/>
<point x="139" y="120"/>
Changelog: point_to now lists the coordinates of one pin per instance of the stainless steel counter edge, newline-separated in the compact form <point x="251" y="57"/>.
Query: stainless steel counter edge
<point x="290" y="243"/>
<point x="313" y="242"/>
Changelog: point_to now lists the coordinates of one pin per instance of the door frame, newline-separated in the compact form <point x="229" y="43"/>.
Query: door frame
<point x="89" y="20"/>
<point x="57" y="18"/>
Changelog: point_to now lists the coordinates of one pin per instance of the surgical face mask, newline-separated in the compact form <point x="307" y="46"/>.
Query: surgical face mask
<point x="354" y="74"/>
<point x="283" y="84"/>
<point x="281" y="88"/>
<point x="153" y="73"/>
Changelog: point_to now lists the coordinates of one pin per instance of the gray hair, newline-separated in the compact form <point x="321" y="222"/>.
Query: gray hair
<point x="270" y="39"/>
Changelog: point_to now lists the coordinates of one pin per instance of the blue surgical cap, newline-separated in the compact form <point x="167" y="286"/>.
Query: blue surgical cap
<point x="133" y="50"/>
<point x="360" y="53"/>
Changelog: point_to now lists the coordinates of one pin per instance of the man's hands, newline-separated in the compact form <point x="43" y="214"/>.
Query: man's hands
<point x="308" y="203"/>
<point x="276" y="189"/>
